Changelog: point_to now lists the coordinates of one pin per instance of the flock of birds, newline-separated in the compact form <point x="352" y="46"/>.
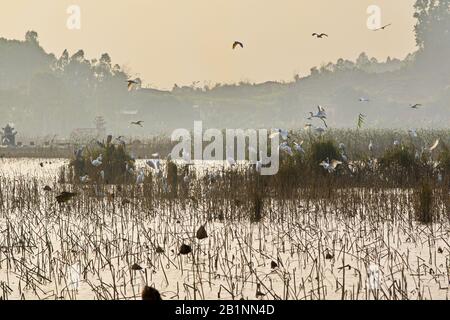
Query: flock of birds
<point x="331" y="165"/>
<point x="149" y="293"/>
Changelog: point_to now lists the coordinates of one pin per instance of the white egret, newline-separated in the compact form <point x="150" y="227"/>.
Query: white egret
<point x="299" y="147"/>
<point x="435" y="145"/>
<point x="140" y="178"/>
<point x="285" y="147"/>
<point x="330" y="167"/>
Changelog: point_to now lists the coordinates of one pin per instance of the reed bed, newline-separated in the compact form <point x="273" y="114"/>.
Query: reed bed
<point x="302" y="234"/>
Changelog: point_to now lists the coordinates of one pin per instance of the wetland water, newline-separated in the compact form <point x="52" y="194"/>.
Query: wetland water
<point x="302" y="249"/>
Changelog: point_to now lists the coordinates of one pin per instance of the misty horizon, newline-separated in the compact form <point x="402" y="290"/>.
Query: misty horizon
<point x="46" y="93"/>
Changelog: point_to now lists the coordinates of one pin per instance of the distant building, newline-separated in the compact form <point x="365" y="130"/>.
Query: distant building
<point x="9" y="135"/>
<point x="88" y="134"/>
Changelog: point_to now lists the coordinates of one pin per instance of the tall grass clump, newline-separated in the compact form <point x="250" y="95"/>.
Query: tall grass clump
<point x="399" y="165"/>
<point x="424" y="203"/>
<point x="322" y="150"/>
<point x="117" y="166"/>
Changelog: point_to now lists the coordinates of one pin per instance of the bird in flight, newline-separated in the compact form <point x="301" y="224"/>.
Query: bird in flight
<point x="237" y="44"/>
<point x="363" y="99"/>
<point x="321" y="114"/>
<point x="383" y="27"/>
<point x="415" y="106"/>
<point x="319" y="35"/>
<point x="299" y="147"/>
<point x="137" y="123"/>
<point x="131" y="83"/>
<point x="435" y="145"/>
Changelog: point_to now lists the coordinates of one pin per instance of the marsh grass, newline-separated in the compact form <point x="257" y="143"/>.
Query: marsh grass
<point x="322" y="229"/>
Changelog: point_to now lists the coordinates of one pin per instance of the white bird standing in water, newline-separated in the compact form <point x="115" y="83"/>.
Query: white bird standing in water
<point x="84" y="178"/>
<point x="371" y="146"/>
<point x="98" y="162"/>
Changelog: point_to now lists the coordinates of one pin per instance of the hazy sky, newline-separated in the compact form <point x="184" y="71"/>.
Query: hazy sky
<point x="181" y="41"/>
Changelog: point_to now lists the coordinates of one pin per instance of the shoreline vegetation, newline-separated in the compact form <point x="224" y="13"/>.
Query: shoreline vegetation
<point x="141" y="147"/>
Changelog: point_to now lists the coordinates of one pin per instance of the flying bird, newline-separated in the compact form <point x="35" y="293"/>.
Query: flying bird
<point x="131" y="84"/>
<point x="319" y="35"/>
<point x="363" y="99"/>
<point x="299" y="147"/>
<point x="435" y="145"/>
<point x="237" y="44"/>
<point x="330" y="167"/>
<point x="321" y="114"/>
<point x="383" y="27"/>
<point x="415" y="106"/>
<point x="137" y="123"/>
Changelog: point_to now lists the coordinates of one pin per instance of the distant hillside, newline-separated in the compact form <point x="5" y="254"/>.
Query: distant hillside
<point x="43" y="94"/>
